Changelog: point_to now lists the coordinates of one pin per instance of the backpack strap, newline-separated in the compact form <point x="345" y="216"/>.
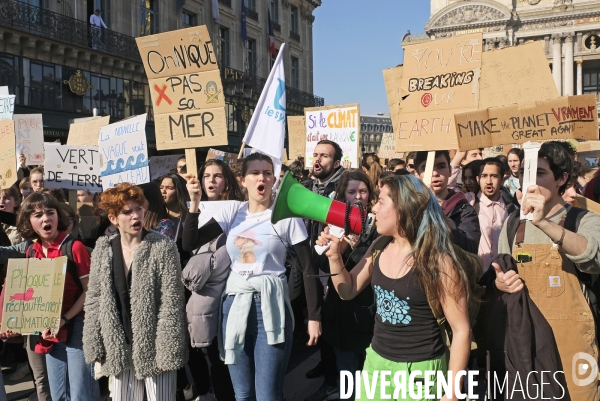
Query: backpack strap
<point x="66" y="249"/>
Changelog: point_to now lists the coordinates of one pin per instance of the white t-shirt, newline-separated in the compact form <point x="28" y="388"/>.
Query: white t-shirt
<point x="252" y="241"/>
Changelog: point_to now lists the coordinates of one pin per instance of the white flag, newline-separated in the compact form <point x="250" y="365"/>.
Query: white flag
<point x="266" y="130"/>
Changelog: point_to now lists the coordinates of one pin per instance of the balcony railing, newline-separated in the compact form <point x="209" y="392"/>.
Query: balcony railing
<point x="252" y="14"/>
<point x="226" y="2"/>
<point x="27" y="18"/>
<point x="295" y="96"/>
<point x="277" y="27"/>
<point x="295" y="36"/>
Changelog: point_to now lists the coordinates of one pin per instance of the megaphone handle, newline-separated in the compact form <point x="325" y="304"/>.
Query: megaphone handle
<point x="333" y="230"/>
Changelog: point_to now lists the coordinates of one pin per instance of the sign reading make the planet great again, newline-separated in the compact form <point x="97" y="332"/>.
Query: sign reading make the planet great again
<point x="340" y="124"/>
<point x="33" y="295"/>
<point x="124" y="152"/>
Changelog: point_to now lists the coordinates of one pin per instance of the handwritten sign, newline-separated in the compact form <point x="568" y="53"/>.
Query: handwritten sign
<point x="439" y="78"/>
<point x="388" y="146"/>
<point x="340" y="124"/>
<point x="227" y="157"/>
<point x="72" y="167"/>
<point x="296" y="136"/>
<point x="516" y="75"/>
<point x="568" y="117"/>
<point x="30" y="137"/>
<point x="86" y="133"/>
<point x="392" y="78"/>
<point x="185" y="85"/>
<point x="33" y="295"/>
<point x="8" y="160"/>
<point x="124" y="153"/>
<point x="7" y="106"/>
<point x="161" y="165"/>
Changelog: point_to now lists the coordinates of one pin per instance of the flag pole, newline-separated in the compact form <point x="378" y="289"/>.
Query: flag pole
<point x="241" y="150"/>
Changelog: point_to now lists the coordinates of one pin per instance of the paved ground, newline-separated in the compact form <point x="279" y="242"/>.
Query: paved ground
<point x="296" y="385"/>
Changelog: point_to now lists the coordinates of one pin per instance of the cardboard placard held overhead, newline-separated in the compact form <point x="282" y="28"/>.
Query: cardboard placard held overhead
<point x="124" y="152"/>
<point x="161" y="165"/>
<point x="30" y="137"/>
<point x="227" y="157"/>
<point x="8" y="160"/>
<point x="340" y="124"/>
<point x="439" y="78"/>
<point x="296" y="136"/>
<point x="516" y="75"/>
<point x="388" y="145"/>
<point x="567" y="117"/>
<point x="72" y="167"/>
<point x="87" y="133"/>
<point x="186" y="89"/>
<point x="33" y="295"/>
<point x="392" y="78"/>
<point x="7" y="106"/>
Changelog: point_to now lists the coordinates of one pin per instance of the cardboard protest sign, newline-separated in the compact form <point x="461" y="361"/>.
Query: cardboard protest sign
<point x="161" y="165"/>
<point x="227" y="157"/>
<point x="8" y="160"/>
<point x="30" y="137"/>
<point x="392" y="78"/>
<point x="7" y="106"/>
<point x="185" y="85"/>
<point x="124" y="153"/>
<point x="72" y="167"/>
<point x="516" y="75"/>
<point x="388" y="145"/>
<point x="340" y="124"/>
<point x="33" y="295"/>
<point x="296" y="136"/>
<point x="86" y="133"/>
<point x="568" y="117"/>
<point x="439" y="78"/>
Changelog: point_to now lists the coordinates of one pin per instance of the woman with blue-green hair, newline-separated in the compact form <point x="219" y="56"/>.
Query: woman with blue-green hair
<point x="412" y="269"/>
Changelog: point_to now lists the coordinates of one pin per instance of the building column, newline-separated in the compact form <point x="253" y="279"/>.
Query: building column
<point x="569" y="61"/>
<point x="557" y="61"/>
<point x="580" y="77"/>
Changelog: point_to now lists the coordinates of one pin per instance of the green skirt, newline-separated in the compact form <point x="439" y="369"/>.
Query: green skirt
<point x="376" y="364"/>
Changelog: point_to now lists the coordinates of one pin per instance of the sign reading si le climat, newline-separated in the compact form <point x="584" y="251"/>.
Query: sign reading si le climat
<point x="185" y="85"/>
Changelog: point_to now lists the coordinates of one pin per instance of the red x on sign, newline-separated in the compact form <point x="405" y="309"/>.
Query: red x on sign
<point x="161" y="95"/>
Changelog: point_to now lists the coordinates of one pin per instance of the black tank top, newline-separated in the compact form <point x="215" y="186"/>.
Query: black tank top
<point x="405" y="327"/>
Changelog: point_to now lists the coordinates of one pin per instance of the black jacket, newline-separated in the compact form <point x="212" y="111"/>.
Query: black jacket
<point x="519" y="341"/>
<point x="463" y="221"/>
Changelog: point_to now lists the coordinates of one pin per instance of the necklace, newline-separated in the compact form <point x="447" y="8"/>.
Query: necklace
<point x="130" y="251"/>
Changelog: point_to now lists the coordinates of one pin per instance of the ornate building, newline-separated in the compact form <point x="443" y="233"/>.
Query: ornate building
<point x="372" y="129"/>
<point x="569" y="29"/>
<point x="45" y="44"/>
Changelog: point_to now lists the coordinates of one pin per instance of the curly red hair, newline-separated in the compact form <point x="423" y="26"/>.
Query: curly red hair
<point x="114" y="199"/>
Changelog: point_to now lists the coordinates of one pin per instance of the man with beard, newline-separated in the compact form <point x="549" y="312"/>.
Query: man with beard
<point x="327" y="170"/>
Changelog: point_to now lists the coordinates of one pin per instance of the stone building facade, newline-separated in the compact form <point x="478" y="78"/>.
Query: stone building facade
<point x="44" y="43"/>
<point x="569" y="29"/>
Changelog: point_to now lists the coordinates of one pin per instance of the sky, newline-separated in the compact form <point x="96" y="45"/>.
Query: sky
<point x="354" y="41"/>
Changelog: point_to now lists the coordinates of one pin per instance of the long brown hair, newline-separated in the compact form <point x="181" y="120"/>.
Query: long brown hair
<point x="421" y="221"/>
<point x="354" y="175"/>
<point x="374" y="170"/>
<point x="35" y="201"/>
<point x="232" y="189"/>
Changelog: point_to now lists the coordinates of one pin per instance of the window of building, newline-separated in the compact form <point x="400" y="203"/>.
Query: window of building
<point x="274" y="9"/>
<point x="148" y="17"/>
<point x="591" y="81"/>
<point x="35" y="3"/>
<point x="9" y="74"/>
<point x="251" y="56"/>
<point x="294" y="19"/>
<point x="104" y="7"/>
<point x="223" y="47"/>
<point x="295" y="73"/>
<point x="188" y="19"/>
<point x="272" y="59"/>
<point x="251" y="4"/>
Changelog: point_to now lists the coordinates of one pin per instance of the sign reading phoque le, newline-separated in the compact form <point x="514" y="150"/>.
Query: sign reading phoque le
<point x="78" y="84"/>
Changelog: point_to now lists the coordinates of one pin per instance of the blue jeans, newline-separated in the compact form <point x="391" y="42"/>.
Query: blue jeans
<point x="260" y="368"/>
<point x="347" y="360"/>
<point x="69" y="376"/>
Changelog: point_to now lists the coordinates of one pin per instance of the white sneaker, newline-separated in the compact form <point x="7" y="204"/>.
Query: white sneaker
<point x="206" y="397"/>
<point x="21" y="371"/>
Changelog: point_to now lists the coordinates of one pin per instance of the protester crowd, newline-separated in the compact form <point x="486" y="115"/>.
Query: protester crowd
<point x="183" y="289"/>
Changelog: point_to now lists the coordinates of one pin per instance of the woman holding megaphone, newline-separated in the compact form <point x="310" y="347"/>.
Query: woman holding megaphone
<point x="412" y="270"/>
<point x="256" y="333"/>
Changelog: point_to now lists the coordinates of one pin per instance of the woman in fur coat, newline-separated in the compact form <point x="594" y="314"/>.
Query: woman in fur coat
<point x="134" y="310"/>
